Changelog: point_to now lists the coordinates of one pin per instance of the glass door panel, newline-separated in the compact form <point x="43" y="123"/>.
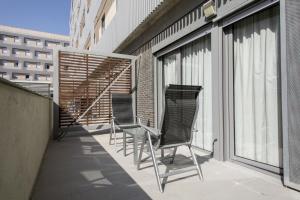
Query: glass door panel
<point x="257" y="123"/>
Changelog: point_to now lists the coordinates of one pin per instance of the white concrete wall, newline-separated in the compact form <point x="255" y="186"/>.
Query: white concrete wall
<point x="25" y="127"/>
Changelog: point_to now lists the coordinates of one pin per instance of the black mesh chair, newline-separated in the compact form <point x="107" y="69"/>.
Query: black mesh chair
<point x="181" y="107"/>
<point x="122" y="114"/>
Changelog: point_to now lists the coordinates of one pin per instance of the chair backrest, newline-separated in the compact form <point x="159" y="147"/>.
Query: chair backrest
<point x="122" y="108"/>
<point x="181" y="107"/>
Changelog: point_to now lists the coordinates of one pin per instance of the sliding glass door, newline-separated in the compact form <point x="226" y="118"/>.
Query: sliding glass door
<point x="191" y="65"/>
<point x="256" y="88"/>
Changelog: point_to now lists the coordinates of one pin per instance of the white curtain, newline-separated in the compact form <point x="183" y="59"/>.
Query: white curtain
<point x="196" y="70"/>
<point x="256" y="88"/>
<point x="171" y="69"/>
<point x="168" y="74"/>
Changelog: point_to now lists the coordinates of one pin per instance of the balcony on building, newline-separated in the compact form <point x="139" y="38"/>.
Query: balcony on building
<point x="33" y="42"/>
<point x="4" y="51"/>
<point x="9" y="64"/>
<point x="10" y="39"/>
<point x="22" y="53"/>
<point x="34" y="66"/>
<point x="48" y="67"/>
<point x="4" y="75"/>
<point x="42" y="77"/>
<point x="51" y="44"/>
<point x="21" y="77"/>
<point x="43" y="55"/>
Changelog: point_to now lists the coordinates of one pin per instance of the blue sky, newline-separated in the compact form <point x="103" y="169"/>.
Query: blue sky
<point x="42" y="15"/>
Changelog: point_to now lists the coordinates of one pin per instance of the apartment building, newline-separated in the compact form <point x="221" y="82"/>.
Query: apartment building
<point x="245" y="54"/>
<point x="26" y="55"/>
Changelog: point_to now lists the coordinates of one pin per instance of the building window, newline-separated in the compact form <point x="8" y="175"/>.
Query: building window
<point x="256" y="74"/>
<point x="82" y="23"/>
<point x="3" y="74"/>
<point x="32" y="42"/>
<point x="111" y="12"/>
<point x="191" y="65"/>
<point x="102" y="24"/>
<point x="88" y="4"/>
<point x="27" y="76"/>
<point x="51" y="44"/>
<point x="48" y="66"/>
<point x="3" y="50"/>
<point x="87" y="45"/>
<point x="21" y="52"/>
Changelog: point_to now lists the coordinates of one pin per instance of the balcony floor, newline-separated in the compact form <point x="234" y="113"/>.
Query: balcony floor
<point x="87" y="167"/>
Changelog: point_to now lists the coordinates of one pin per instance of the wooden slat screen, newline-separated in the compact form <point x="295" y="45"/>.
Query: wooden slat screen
<point x="82" y="77"/>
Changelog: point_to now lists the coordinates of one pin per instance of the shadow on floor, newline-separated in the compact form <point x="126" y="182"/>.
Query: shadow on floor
<point x="79" y="168"/>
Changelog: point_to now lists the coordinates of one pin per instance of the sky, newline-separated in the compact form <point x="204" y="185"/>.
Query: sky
<point x="41" y="15"/>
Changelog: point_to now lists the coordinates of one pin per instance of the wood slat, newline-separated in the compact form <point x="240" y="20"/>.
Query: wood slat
<point x="82" y="77"/>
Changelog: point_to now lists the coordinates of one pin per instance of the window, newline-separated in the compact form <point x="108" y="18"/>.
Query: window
<point x="191" y="65"/>
<point x="3" y="74"/>
<point x="111" y="12"/>
<point x="255" y="89"/>
<point x="82" y="23"/>
<point x="9" y="63"/>
<point x="32" y="42"/>
<point x="21" y="52"/>
<point x="102" y="24"/>
<point x="256" y="92"/>
<point x="48" y="66"/>
<point x="27" y="76"/>
<point x="87" y="45"/>
<point x="10" y="39"/>
<point x="3" y="50"/>
<point x="88" y="4"/>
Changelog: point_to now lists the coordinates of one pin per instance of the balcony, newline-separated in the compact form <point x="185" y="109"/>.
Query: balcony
<point x="22" y="54"/>
<point x="43" y="56"/>
<point x="9" y="64"/>
<point x="34" y="43"/>
<point x="83" y="165"/>
<point x="11" y="40"/>
<point x="4" y="52"/>
<point x="86" y="167"/>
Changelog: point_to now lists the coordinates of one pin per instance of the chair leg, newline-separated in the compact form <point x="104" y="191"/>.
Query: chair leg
<point x="196" y="163"/>
<point x="111" y="132"/>
<point x="141" y="154"/>
<point x="173" y="156"/>
<point x="162" y="153"/>
<point x="154" y="162"/>
<point x="115" y="137"/>
<point x="124" y="143"/>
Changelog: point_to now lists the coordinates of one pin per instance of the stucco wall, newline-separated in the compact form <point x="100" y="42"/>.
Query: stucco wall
<point x="25" y="125"/>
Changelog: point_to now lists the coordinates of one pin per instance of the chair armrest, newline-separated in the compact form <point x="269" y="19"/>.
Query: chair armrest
<point x="153" y="131"/>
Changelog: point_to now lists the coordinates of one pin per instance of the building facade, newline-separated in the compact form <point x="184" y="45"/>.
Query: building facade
<point x="26" y="55"/>
<point x="245" y="54"/>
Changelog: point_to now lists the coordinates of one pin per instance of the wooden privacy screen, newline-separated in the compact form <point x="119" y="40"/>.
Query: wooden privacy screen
<point x="84" y="78"/>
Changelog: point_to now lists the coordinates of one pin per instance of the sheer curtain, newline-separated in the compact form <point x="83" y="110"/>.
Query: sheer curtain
<point x="196" y="70"/>
<point x="256" y="88"/>
<point x="171" y="69"/>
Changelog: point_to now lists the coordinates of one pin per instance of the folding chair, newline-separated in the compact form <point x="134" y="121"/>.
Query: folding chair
<point x="181" y="107"/>
<point x="122" y="116"/>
